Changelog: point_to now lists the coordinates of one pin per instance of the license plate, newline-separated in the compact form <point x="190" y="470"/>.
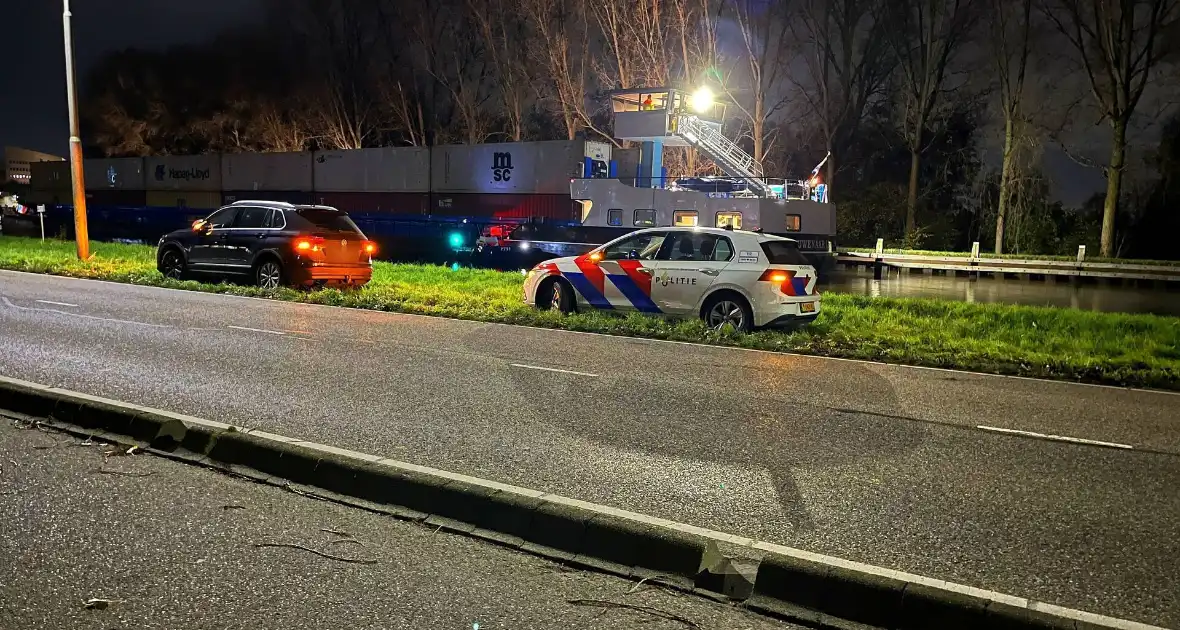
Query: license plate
<point x="807" y="307"/>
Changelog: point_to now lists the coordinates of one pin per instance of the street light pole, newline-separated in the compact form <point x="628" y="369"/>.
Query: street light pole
<point x="81" y="234"/>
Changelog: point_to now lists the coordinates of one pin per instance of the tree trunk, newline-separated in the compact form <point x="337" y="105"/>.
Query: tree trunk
<point x="1005" y="183"/>
<point x="1114" y="182"/>
<point x="911" y="210"/>
<point x="759" y="127"/>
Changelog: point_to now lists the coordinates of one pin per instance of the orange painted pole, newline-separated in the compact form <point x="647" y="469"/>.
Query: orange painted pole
<point x="81" y="232"/>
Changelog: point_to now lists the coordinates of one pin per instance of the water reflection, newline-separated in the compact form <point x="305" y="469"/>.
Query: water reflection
<point x="1049" y="292"/>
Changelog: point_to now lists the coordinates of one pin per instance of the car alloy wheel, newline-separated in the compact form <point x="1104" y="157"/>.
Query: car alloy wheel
<point x="173" y="265"/>
<point x="726" y="312"/>
<point x="269" y="275"/>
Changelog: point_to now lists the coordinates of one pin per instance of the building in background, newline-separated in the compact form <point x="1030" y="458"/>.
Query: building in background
<point x="18" y="161"/>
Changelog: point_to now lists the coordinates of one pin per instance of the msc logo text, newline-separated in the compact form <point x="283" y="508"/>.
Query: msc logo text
<point x="501" y="166"/>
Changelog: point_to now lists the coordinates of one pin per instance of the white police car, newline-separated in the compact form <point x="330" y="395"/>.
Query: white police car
<point x="726" y="277"/>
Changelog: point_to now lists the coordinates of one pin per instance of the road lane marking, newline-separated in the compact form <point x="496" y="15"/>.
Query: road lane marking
<point x="9" y="303"/>
<point x="57" y="303"/>
<point x="258" y="330"/>
<point x="546" y="369"/>
<point x="1056" y="438"/>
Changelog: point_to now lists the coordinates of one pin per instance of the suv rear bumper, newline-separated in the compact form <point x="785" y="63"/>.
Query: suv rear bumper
<point x="356" y="274"/>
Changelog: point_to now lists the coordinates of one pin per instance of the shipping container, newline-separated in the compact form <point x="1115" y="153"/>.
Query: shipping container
<point x="626" y="165"/>
<point x="266" y="171"/>
<point x="184" y="172"/>
<point x="516" y="167"/>
<point x="125" y="198"/>
<point x="289" y="196"/>
<point x="114" y="174"/>
<point x="194" y="199"/>
<point x="385" y="169"/>
<point x="49" y="175"/>
<point x="505" y="206"/>
<point x="47" y="197"/>
<point x="375" y="203"/>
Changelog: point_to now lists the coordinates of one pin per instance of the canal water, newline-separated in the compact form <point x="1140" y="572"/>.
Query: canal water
<point x="1050" y="292"/>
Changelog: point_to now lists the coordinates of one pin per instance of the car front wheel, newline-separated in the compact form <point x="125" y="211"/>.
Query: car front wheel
<point x="728" y="310"/>
<point x="172" y="265"/>
<point x="269" y="274"/>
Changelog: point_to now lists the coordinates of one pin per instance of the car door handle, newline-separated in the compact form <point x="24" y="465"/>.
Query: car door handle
<point x="261" y="235"/>
<point x="709" y="272"/>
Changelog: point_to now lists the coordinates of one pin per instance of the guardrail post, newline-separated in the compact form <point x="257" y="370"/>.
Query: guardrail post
<point x="975" y="249"/>
<point x="1081" y="254"/>
<point x="880" y="246"/>
<point x="878" y="264"/>
<point x="974" y="261"/>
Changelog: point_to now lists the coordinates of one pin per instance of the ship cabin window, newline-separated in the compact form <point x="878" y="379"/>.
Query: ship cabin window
<point x="731" y="219"/>
<point x="614" y="216"/>
<point x="645" y="218"/>
<point x="794" y="223"/>
<point x="685" y="218"/>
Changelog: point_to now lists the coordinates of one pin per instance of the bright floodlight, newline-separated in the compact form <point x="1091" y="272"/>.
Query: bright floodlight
<point x="702" y="100"/>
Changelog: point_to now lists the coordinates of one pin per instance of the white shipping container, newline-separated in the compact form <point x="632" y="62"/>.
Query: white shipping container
<point x="266" y="171"/>
<point x="114" y="174"/>
<point x="510" y="167"/>
<point x="384" y="169"/>
<point x="183" y="172"/>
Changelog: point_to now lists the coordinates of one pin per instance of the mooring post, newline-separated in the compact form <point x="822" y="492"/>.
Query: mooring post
<point x="879" y="264"/>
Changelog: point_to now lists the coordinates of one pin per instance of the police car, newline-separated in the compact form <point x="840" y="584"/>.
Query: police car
<point x="726" y="277"/>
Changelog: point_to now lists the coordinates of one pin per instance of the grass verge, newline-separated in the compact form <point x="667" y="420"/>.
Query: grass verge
<point x="1109" y="348"/>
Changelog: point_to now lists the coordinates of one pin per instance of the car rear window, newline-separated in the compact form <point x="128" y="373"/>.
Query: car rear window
<point x="328" y="219"/>
<point x="784" y="253"/>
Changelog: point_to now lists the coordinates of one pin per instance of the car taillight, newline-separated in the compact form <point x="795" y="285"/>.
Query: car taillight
<point x="370" y="247"/>
<point x="309" y="244"/>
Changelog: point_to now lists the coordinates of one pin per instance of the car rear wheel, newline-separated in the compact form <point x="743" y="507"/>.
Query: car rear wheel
<point x="728" y="310"/>
<point x="269" y="274"/>
<point x="556" y="293"/>
<point x="172" y="264"/>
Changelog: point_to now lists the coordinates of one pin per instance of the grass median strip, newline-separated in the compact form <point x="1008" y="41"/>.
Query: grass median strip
<point x="1110" y="348"/>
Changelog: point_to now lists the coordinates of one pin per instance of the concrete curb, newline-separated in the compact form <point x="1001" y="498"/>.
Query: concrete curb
<point x="790" y="583"/>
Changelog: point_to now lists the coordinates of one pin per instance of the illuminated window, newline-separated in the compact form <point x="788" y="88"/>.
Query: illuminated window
<point x="685" y="218"/>
<point x="794" y="223"/>
<point x="614" y="216"/>
<point x="645" y="218"/>
<point x="732" y="219"/>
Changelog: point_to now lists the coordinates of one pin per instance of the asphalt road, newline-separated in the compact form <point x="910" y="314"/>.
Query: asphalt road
<point x="875" y="463"/>
<point x="175" y="547"/>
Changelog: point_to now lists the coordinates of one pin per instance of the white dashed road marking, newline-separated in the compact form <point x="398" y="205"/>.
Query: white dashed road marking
<point x="1057" y="438"/>
<point x="537" y="367"/>
<point x="57" y="303"/>
<point x="258" y="330"/>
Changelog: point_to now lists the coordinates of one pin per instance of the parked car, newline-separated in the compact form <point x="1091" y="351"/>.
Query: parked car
<point x="271" y="244"/>
<point x="726" y="277"/>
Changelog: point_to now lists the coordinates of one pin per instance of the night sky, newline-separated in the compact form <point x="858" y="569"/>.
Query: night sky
<point x="32" y="96"/>
<point x="33" y="93"/>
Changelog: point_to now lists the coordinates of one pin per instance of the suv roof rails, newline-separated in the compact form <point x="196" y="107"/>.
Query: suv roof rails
<point x="262" y="202"/>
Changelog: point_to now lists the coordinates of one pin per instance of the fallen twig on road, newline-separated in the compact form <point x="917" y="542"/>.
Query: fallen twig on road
<point x="344" y="537"/>
<point x="319" y="553"/>
<point x="602" y="603"/>
<point x="125" y="473"/>
<point x="233" y="507"/>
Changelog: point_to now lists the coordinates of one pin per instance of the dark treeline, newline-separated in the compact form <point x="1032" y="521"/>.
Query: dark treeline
<point x="904" y="94"/>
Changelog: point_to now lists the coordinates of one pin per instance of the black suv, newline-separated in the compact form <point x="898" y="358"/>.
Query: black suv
<point x="271" y="243"/>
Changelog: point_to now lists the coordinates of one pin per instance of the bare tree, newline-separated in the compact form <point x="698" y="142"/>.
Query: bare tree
<point x="763" y="28"/>
<point x="846" y="53"/>
<point x="1119" y="45"/>
<point x="561" y="53"/>
<point x="504" y="37"/>
<point x="1010" y="36"/>
<point x="925" y="36"/>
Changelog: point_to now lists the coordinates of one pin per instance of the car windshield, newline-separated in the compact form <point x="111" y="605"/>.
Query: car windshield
<point x="328" y="219"/>
<point x="784" y="253"/>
